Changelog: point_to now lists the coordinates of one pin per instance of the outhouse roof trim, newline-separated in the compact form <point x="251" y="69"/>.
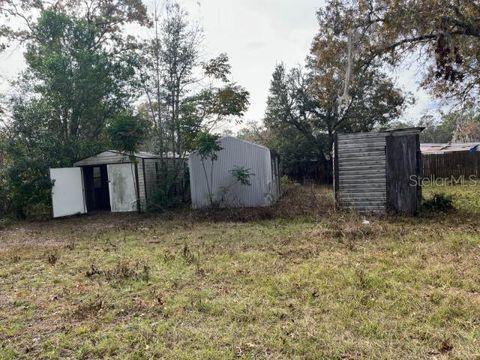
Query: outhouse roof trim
<point x="406" y="131"/>
<point x="394" y="132"/>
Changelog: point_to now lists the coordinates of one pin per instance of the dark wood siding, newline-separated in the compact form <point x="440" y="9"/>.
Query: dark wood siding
<point x="452" y="164"/>
<point x="402" y="171"/>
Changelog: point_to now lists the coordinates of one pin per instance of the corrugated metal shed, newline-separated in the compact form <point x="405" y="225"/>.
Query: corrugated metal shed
<point x="114" y="181"/>
<point x="140" y="173"/>
<point x="145" y="171"/>
<point x="265" y="185"/>
<point x="373" y="170"/>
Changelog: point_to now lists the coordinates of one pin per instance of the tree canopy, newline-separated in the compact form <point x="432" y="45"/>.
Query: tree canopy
<point x="186" y="95"/>
<point x="334" y="92"/>
<point x="443" y="35"/>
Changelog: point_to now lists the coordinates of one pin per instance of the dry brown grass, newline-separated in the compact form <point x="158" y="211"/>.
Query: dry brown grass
<point x="294" y="281"/>
<point x="297" y="202"/>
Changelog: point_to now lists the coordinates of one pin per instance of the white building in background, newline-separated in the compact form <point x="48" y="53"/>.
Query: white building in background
<point x="264" y="188"/>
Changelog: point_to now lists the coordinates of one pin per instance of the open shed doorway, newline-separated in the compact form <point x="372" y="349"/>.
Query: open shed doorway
<point x="97" y="194"/>
<point x="108" y="181"/>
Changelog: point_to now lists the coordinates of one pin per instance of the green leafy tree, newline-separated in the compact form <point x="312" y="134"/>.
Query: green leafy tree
<point x="305" y="107"/>
<point x="208" y="145"/>
<point x="465" y="125"/>
<point x="127" y="132"/>
<point x="82" y="86"/>
<point x="108" y="17"/>
<point x="31" y="149"/>
<point x="184" y="95"/>
<point x="437" y="131"/>
<point x="443" y="35"/>
<point x="340" y="89"/>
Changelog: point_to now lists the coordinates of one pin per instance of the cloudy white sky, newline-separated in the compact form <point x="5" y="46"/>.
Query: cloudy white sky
<point x="256" y="34"/>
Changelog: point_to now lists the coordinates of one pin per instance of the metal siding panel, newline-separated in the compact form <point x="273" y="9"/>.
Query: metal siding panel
<point x="68" y="196"/>
<point x="141" y="187"/>
<point x="362" y="136"/>
<point x="371" y="160"/>
<point x="346" y="156"/>
<point x="234" y="152"/>
<point x="121" y="185"/>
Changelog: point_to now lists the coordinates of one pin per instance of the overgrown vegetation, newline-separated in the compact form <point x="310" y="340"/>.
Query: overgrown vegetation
<point x="439" y="202"/>
<point x="90" y="84"/>
<point x="297" y="280"/>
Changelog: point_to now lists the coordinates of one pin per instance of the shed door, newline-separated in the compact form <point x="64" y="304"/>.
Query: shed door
<point x="121" y="184"/>
<point x="67" y="192"/>
<point x="403" y="165"/>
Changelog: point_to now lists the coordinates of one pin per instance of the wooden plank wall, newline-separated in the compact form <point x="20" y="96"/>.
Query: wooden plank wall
<point x="360" y="167"/>
<point x="403" y="194"/>
<point x="456" y="164"/>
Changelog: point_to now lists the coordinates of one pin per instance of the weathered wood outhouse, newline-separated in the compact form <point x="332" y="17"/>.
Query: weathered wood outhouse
<point x="109" y="181"/>
<point x="378" y="172"/>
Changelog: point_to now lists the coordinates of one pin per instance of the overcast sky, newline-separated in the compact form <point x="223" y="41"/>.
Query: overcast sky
<point x="257" y="35"/>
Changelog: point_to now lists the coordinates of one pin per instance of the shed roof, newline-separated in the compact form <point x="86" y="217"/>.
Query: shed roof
<point x="406" y="131"/>
<point x="394" y="132"/>
<point x="244" y="141"/>
<point x="228" y="137"/>
<point x="440" y="148"/>
<point x="114" y="156"/>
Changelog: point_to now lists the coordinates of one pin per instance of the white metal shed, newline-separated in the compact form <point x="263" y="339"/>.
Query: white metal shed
<point x="109" y="181"/>
<point x="227" y="192"/>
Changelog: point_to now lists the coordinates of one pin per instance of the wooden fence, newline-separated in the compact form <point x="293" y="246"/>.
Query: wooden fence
<point x="458" y="163"/>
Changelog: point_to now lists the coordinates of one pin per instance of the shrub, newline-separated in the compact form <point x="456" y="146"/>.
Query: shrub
<point x="242" y="175"/>
<point x="30" y="186"/>
<point x="285" y="181"/>
<point x="171" y="192"/>
<point x="5" y="222"/>
<point x="439" y="202"/>
<point x="4" y="195"/>
<point x="52" y="258"/>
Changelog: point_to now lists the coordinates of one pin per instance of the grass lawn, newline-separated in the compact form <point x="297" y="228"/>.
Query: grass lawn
<point x="294" y="281"/>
